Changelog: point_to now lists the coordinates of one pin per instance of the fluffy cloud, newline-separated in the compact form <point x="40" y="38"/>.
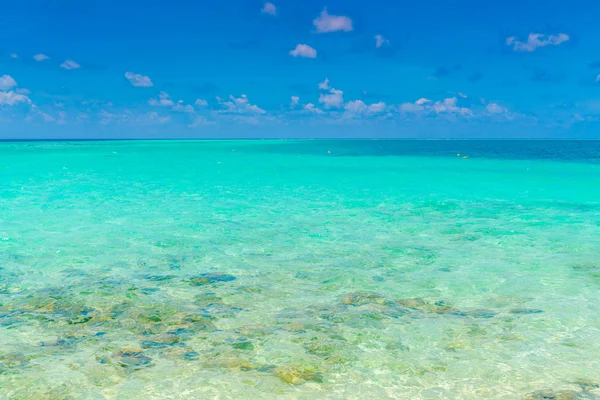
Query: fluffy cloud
<point x="304" y="50"/>
<point x="294" y="101"/>
<point x="201" y="103"/>
<point x="333" y="99"/>
<point x="14" y="55"/>
<point x="269" y="8"/>
<point x="138" y="80"/>
<point x="377" y="107"/>
<point x="7" y="82"/>
<point x="359" y="107"/>
<point x="324" y="85"/>
<point x="535" y="40"/>
<point x="449" y="106"/>
<point x="129" y="117"/>
<point x="40" y="57"/>
<point x="495" y="109"/>
<point x="70" y="64"/>
<point x="241" y="105"/>
<point x="164" y="100"/>
<point x="181" y="106"/>
<point x="46" y="117"/>
<point x="380" y="41"/>
<point x="356" y="106"/>
<point x="326" y="22"/>
<point x="418" y="106"/>
<point x="199" y="121"/>
<point x="311" y="108"/>
<point x="598" y="78"/>
<point x="446" y="106"/>
<point x="12" y="98"/>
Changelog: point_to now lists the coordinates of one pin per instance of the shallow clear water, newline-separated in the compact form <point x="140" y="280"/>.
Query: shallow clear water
<point x="387" y="269"/>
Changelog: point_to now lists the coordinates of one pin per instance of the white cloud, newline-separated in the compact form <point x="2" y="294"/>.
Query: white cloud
<point x="535" y="40"/>
<point x="241" y="105"/>
<point x="377" y="107"/>
<point x="304" y="50"/>
<point x="332" y="23"/>
<point x="14" y="55"/>
<point x="324" y="85"/>
<point x="47" y="117"/>
<point x="359" y="107"/>
<point x="23" y="91"/>
<point x="295" y="101"/>
<point x="269" y="8"/>
<point x="415" y="107"/>
<point x="129" y="117"/>
<point x="40" y="57"/>
<point x="7" y="82"/>
<point x="598" y="78"/>
<point x="356" y="106"/>
<point x="380" y="41"/>
<point x="12" y="98"/>
<point x="181" y="106"/>
<point x="333" y="99"/>
<point x="447" y="106"/>
<point x="201" y="103"/>
<point x="411" y="107"/>
<point x="311" y="107"/>
<point x="495" y="108"/>
<point x="138" y="80"/>
<point x="200" y="121"/>
<point x="164" y="100"/>
<point x="152" y="118"/>
<point x="70" y="64"/>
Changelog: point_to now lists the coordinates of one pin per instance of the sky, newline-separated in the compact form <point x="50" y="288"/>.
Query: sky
<point x="299" y="69"/>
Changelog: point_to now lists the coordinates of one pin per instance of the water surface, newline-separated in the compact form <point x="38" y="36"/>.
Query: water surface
<point x="272" y="269"/>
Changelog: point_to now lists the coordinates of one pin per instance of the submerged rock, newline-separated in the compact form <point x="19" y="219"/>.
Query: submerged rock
<point x="295" y="375"/>
<point x="254" y="331"/>
<point x="65" y="343"/>
<point x="206" y="279"/>
<point x="243" y="345"/>
<point x="13" y="360"/>
<point x="194" y="324"/>
<point x="558" y="395"/>
<point x="159" y="278"/>
<point x="230" y="363"/>
<point x="158" y="341"/>
<point x="324" y="348"/>
<point x="79" y="315"/>
<point x="587" y="384"/>
<point x="362" y="298"/>
<point x="481" y="313"/>
<point x="592" y="269"/>
<point x="250" y="289"/>
<point x="221" y="310"/>
<point x="191" y="355"/>
<point x="131" y="358"/>
<point x="525" y="311"/>
<point x="207" y="298"/>
<point x="438" y="307"/>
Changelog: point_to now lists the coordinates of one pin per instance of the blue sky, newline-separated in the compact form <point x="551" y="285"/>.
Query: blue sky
<point x="289" y="68"/>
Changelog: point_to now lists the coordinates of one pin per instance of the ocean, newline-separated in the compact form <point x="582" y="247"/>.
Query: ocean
<point x="300" y="269"/>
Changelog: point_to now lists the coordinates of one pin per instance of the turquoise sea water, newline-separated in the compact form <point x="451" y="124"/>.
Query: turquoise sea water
<point x="272" y="269"/>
